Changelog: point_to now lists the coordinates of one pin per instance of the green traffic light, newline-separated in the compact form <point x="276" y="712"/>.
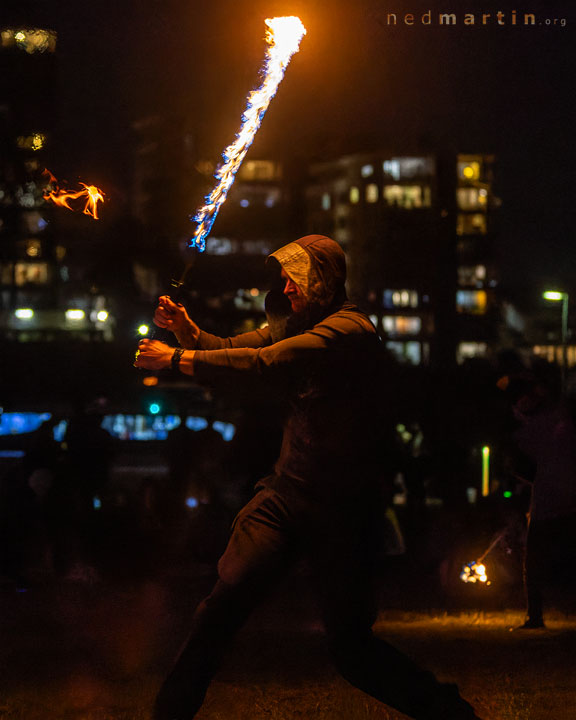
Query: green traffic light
<point x="154" y="408"/>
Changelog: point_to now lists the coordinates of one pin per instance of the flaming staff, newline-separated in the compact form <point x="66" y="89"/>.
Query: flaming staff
<point x="90" y="193"/>
<point x="283" y="37"/>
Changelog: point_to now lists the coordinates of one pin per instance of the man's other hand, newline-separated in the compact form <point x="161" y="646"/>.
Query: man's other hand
<point x="173" y="316"/>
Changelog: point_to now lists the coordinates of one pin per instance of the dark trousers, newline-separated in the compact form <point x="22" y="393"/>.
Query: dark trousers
<point x="267" y="535"/>
<point x="549" y="561"/>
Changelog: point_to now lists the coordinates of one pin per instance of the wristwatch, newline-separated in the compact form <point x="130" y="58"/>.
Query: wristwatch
<point x="175" y="361"/>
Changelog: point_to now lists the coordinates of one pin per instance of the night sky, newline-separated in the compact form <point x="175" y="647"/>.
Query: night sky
<point x="358" y="83"/>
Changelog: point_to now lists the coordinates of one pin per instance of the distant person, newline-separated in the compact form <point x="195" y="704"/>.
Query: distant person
<point x="547" y="437"/>
<point x="322" y="499"/>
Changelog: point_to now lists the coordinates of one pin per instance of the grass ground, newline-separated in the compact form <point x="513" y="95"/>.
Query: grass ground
<point x="73" y="652"/>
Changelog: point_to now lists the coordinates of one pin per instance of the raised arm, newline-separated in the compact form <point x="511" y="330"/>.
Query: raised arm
<point x="173" y="316"/>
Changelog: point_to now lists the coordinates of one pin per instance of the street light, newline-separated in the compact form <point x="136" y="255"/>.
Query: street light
<point x="555" y="296"/>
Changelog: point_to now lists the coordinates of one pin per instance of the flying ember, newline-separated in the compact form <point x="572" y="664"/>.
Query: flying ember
<point x="90" y="194"/>
<point x="283" y="37"/>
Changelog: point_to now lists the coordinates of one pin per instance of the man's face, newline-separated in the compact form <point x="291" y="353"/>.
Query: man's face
<point x="293" y="293"/>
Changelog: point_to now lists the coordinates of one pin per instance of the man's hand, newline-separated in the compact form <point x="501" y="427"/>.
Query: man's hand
<point x="153" y="355"/>
<point x="172" y="316"/>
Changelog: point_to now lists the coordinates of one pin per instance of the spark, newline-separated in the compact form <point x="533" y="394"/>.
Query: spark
<point x="283" y="36"/>
<point x="90" y="193"/>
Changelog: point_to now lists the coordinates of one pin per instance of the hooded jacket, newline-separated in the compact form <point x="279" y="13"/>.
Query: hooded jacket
<point x="328" y="360"/>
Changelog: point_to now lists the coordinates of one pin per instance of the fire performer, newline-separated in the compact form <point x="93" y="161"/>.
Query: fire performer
<point x="322" y="499"/>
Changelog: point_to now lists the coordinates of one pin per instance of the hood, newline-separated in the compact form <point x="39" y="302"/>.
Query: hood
<point x="317" y="264"/>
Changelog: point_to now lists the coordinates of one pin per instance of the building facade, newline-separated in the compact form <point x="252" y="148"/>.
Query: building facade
<point x="417" y="232"/>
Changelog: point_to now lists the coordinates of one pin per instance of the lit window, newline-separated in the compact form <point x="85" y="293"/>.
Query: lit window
<point x="354" y="195"/>
<point x="326" y="201"/>
<point x="367" y="171"/>
<point x="471" y="301"/>
<point x="469" y="170"/>
<point x="260" y="170"/>
<point x="409" y="168"/>
<point x="474" y="224"/>
<point x="553" y="353"/>
<point x="402" y="324"/>
<point x="33" y="273"/>
<point x="468" y="350"/>
<point x="407" y="196"/>
<point x="471" y="198"/>
<point x="372" y="193"/>
<point x="471" y="275"/>
<point x="392" y="168"/>
<point x="400" y="298"/>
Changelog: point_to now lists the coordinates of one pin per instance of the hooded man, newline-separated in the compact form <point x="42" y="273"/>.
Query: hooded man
<point x="324" y="355"/>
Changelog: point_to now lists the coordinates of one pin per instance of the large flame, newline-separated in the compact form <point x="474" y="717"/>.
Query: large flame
<point x="283" y="36"/>
<point x="90" y="194"/>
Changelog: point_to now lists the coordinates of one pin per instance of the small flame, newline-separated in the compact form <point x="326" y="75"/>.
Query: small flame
<point x="474" y="572"/>
<point x="90" y="193"/>
<point x="283" y="36"/>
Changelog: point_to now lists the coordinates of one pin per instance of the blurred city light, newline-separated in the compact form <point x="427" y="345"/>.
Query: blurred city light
<point x="143" y="330"/>
<point x="150" y="381"/>
<point x="556" y="296"/>
<point x="485" y="471"/>
<point x="75" y="314"/>
<point x="154" y="408"/>
<point x="102" y="316"/>
<point x="24" y="313"/>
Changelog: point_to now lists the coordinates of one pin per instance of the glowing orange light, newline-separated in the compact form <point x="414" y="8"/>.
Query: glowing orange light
<point x="474" y="572"/>
<point x="90" y="193"/>
<point x="150" y="381"/>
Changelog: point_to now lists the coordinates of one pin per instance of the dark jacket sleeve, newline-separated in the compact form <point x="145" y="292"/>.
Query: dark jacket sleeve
<point x="300" y="349"/>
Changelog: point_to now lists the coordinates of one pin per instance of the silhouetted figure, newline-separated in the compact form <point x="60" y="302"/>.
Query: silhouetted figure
<point x="82" y="492"/>
<point x="323" y="498"/>
<point x="547" y="437"/>
<point x="18" y="520"/>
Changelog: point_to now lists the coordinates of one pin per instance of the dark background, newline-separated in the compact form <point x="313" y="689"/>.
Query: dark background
<point x="358" y="83"/>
